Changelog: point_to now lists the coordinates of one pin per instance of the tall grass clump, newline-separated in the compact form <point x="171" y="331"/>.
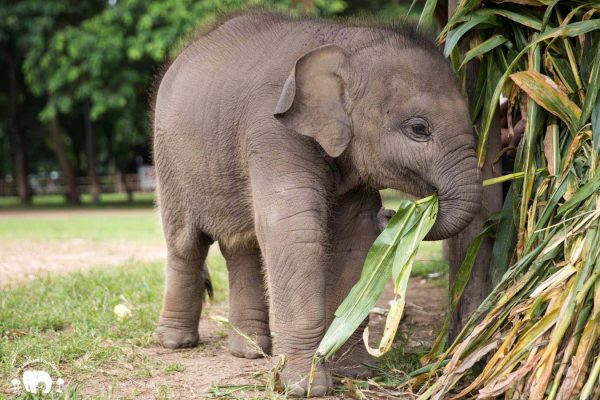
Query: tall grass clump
<point x="537" y="335"/>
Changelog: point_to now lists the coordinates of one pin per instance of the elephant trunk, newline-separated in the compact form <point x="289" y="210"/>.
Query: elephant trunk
<point x="458" y="182"/>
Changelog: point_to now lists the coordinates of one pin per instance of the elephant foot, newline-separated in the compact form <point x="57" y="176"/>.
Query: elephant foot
<point x="239" y="346"/>
<point x="351" y="361"/>
<point x="354" y="371"/>
<point x="295" y="379"/>
<point x="173" y="338"/>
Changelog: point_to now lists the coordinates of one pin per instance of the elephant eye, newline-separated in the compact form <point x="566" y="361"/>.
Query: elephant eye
<point x="417" y="129"/>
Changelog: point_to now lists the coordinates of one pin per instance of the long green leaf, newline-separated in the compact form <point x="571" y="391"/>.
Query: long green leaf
<point x="426" y="17"/>
<point x="528" y="20"/>
<point x="570" y="30"/>
<point x="532" y="129"/>
<point x="455" y="35"/>
<point x="592" y="88"/>
<point x="483" y="48"/>
<point x="477" y="103"/>
<point x="506" y="240"/>
<point x="548" y="13"/>
<point x="545" y="92"/>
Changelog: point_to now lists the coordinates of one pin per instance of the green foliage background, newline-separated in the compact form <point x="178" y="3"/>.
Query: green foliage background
<point x="104" y="54"/>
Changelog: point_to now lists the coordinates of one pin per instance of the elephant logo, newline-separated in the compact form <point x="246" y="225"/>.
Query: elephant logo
<point x="32" y="379"/>
<point x="36" y="379"/>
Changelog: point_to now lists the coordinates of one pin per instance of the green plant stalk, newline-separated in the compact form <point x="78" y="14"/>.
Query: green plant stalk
<point x="532" y="128"/>
<point x="586" y="392"/>
<point x="509" y="177"/>
<point x="571" y="58"/>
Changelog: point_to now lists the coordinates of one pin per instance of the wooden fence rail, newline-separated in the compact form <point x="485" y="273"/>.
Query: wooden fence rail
<point x="119" y="183"/>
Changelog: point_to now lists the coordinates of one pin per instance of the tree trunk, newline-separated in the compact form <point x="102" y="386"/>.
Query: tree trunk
<point x="478" y="287"/>
<point x="16" y="135"/>
<point x="69" y="178"/>
<point x="442" y="12"/>
<point x="90" y="141"/>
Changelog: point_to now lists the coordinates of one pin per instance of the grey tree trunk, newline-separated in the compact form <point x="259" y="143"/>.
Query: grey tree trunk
<point x="16" y="135"/>
<point x="69" y="177"/>
<point x="478" y="286"/>
<point x="90" y="141"/>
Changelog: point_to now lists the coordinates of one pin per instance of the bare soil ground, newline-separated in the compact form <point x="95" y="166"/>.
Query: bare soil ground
<point x="210" y="366"/>
<point x="22" y="260"/>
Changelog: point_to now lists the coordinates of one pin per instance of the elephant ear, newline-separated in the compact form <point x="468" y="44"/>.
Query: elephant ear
<point x="312" y="100"/>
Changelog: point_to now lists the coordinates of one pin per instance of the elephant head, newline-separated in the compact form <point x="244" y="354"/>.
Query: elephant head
<point x="392" y="114"/>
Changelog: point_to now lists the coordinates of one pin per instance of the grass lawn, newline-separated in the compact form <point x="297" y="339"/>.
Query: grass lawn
<point x="56" y="201"/>
<point x="90" y="226"/>
<point x="68" y="320"/>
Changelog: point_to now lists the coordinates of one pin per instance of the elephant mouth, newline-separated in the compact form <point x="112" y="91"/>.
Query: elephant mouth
<point x="458" y="201"/>
<point x="414" y="184"/>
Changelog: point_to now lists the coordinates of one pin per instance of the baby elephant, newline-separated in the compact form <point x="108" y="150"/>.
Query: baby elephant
<point x="272" y="136"/>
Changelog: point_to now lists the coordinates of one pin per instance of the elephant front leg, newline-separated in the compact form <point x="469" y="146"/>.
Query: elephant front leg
<point x="293" y="237"/>
<point x="248" y="307"/>
<point x="185" y="284"/>
<point x="356" y="225"/>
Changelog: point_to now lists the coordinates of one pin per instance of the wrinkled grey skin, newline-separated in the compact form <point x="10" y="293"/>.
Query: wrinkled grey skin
<point x="272" y="136"/>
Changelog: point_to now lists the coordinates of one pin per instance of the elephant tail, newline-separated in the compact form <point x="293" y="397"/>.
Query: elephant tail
<point x="208" y="286"/>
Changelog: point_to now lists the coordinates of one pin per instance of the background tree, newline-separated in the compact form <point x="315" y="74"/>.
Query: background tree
<point x="25" y="26"/>
<point x="79" y="76"/>
<point x="96" y="74"/>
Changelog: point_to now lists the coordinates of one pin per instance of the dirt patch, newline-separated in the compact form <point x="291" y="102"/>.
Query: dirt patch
<point x="210" y="365"/>
<point x="181" y="374"/>
<point x="426" y="304"/>
<point x="66" y="213"/>
<point x="22" y="260"/>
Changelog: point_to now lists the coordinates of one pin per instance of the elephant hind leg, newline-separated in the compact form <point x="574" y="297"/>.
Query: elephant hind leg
<point x="355" y="228"/>
<point x="186" y="279"/>
<point x="248" y="307"/>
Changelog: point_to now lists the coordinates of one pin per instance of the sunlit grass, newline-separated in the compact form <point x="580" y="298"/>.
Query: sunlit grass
<point x="54" y="201"/>
<point x="90" y="226"/>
